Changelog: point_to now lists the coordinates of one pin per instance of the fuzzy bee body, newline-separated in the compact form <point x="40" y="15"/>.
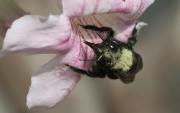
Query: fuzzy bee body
<point x="114" y="59"/>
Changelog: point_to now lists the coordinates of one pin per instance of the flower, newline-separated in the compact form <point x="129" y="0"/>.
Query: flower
<point x="61" y="35"/>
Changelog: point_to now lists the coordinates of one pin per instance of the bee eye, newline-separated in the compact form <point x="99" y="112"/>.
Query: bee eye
<point x="111" y="46"/>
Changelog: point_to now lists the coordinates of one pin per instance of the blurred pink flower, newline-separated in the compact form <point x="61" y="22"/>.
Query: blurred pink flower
<point x="61" y="35"/>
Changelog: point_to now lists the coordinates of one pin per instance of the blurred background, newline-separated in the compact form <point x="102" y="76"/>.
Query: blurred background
<point x="155" y="90"/>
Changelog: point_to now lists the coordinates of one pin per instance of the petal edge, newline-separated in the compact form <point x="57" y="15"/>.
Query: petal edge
<point x="51" y="84"/>
<point x="36" y="34"/>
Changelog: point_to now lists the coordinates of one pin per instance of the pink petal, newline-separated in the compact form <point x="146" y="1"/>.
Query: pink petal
<point x="51" y="84"/>
<point x="126" y="32"/>
<point x="129" y="9"/>
<point x="123" y="29"/>
<point x="35" y="34"/>
<point x="79" y="53"/>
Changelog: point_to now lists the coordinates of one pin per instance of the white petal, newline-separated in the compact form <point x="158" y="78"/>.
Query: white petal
<point x="35" y="34"/>
<point x="51" y="84"/>
<point x="127" y="8"/>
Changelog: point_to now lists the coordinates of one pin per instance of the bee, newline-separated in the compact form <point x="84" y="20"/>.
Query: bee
<point x="114" y="59"/>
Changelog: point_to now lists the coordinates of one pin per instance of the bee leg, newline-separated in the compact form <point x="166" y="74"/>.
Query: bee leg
<point x="133" y="39"/>
<point x="93" y="46"/>
<point x="89" y="73"/>
<point x="110" y="31"/>
<point x="77" y="69"/>
<point x="111" y="76"/>
<point x="87" y="59"/>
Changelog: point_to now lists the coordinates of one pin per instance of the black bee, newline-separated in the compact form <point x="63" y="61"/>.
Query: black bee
<point x="114" y="59"/>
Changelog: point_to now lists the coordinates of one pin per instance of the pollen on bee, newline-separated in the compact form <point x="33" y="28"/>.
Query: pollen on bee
<point x="125" y="60"/>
